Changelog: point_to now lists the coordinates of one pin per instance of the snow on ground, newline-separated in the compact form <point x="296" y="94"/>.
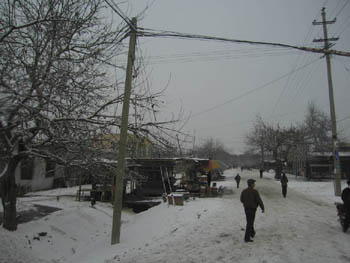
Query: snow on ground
<point x="300" y="228"/>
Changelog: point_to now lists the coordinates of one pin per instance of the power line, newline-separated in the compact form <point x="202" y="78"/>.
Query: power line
<point x="343" y="26"/>
<point x="120" y="13"/>
<point x="154" y="33"/>
<point x="250" y="121"/>
<point x="347" y="68"/>
<point x="305" y="79"/>
<point x="298" y="78"/>
<point x="334" y="10"/>
<point x="203" y="57"/>
<point x="343" y="119"/>
<point x="253" y="90"/>
<point x="341" y="9"/>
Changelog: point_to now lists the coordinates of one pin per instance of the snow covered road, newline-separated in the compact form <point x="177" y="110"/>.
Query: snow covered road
<point x="293" y="229"/>
<point x="300" y="228"/>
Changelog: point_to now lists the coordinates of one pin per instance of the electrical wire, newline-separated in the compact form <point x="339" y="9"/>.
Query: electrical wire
<point x="252" y="91"/>
<point x="204" y="57"/>
<point x="343" y="119"/>
<point x="287" y="84"/>
<point x="342" y="8"/>
<point x="120" y="13"/>
<point x="171" y="34"/>
<point x="347" y="68"/>
<point x="343" y="27"/>
<point x="301" y="59"/>
<point x="305" y="79"/>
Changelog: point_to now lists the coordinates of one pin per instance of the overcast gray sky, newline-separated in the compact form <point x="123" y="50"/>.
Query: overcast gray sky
<point x="223" y="85"/>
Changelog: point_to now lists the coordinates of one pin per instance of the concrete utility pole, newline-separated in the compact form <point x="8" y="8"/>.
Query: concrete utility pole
<point x="118" y="189"/>
<point x="336" y="161"/>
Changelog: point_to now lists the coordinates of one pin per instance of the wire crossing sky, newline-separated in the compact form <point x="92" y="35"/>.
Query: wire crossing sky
<point x="225" y="79"/>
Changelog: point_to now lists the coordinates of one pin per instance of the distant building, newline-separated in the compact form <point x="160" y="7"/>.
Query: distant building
<point x="34" y="174"/>
<point x="320" y="165"/>
<point x="137" y="146"/>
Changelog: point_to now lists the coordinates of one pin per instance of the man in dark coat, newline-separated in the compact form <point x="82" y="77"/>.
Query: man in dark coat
<point x="284" y="184"/>
<point x="345" y="196"/>
<point x="238" y="179"/>
<point x="209" y="176"/>
<point x="251" y="200"/>
<point x="261" y="171"/>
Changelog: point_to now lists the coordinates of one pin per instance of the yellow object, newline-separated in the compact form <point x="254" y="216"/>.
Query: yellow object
<point x="213" y="164"/>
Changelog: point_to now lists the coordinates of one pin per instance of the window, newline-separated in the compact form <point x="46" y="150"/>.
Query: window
<point x="50" y="168"/>
<point x="27" y="167"/>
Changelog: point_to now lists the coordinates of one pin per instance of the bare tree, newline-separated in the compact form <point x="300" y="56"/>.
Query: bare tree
<point x="317" y="127"/>
<point x="255" y="139"/>
<point x="57" y="84"/>
<point x="215" y="150"/>
<point x="273" y="139"/>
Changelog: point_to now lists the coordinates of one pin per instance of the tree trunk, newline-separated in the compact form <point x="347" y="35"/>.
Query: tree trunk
<point x="262" y="165"/>
<point x="278" y="170"/>
<point x="8" y="196"/>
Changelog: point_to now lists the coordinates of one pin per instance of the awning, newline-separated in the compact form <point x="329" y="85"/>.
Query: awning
<point x="213" y="164"/>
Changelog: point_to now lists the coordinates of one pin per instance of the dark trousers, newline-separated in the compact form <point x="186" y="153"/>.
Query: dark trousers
<point x="347" y="219"/>
<point x="249" y="230"/>
<point x="237" y="183"/>
<point x="284" y="190"/>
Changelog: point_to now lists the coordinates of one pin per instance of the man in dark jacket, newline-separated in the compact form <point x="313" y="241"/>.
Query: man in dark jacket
<point x="209" y="176"/>
<point x="345" y="196"/>
<point x="238" y="179"/>
<point x="261" y="171"/>
<point x="284" y="184"/>
<point x="251" y="200"/>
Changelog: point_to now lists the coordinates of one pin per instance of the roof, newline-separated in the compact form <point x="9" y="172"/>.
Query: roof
<point x="329" y="154"/>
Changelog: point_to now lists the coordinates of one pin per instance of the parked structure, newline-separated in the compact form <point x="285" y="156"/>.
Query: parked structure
<point x="320" y="165"/>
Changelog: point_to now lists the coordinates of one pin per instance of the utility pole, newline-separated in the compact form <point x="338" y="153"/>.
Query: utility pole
<point x="336" y="161"/>
<point x="118" y="189"/>
<point x="178" y="143"/>
<point x="194" y="143"/>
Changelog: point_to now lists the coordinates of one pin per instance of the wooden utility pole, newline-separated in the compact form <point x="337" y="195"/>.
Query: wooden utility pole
<point x="118" y="189"/>
<point x="178" y="143"/>
<point x="194" y="144"/>
<point x="336" y="161"/>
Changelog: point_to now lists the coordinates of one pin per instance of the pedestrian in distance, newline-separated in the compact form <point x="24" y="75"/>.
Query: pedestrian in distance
<point x="345" y="196"/>
<point x="251" y="199"/>
<point x="238" y="179"/>
<point x="209" y="176"/>
<point x="284" y="184"/>
<point x="261" y="171"/>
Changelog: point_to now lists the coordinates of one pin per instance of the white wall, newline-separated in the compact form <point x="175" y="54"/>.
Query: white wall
<point x="38" y="181"/>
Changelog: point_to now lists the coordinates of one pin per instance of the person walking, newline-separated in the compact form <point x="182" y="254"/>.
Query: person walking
<point x="209" y="176"/>
<point x="250" y="198"/>
<point x="284" y="184"/>
<point x="238" y="179"/>
<point x="261" y="172"/>
<point x="345" y="196"/>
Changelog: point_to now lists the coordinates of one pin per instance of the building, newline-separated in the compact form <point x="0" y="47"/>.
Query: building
<point x="320" y="165"/>
<point x="34" y="174"/>
<point x="137" y="146"/>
